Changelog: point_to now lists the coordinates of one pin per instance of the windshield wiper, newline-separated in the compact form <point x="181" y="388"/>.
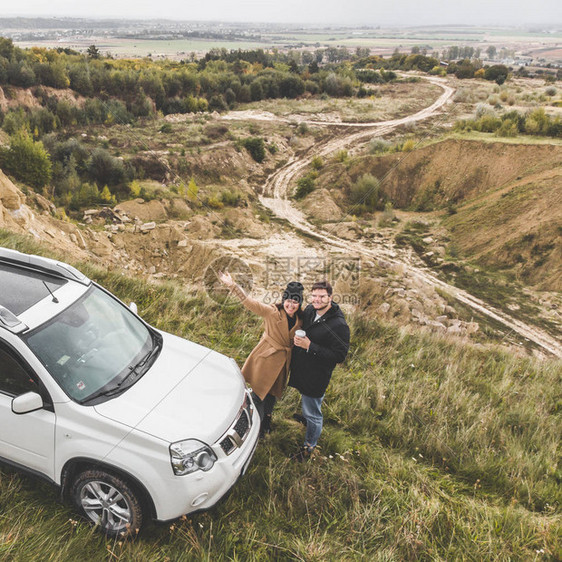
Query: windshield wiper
<point x="109" y="392"/>
<point x="138" y="370"/>
<point x="134" y="370"/>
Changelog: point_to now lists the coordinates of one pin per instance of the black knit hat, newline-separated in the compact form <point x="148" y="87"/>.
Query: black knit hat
<point x="293" y="291"/>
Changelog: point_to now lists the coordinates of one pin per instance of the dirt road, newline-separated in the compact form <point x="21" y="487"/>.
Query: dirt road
<point x="279" y="183"/>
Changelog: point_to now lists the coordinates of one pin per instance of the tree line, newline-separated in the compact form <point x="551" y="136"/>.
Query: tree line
<point x="101" y="90"/>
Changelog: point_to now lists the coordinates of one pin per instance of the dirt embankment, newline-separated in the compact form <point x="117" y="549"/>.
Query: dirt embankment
<point x="505" y="199"/>
<point x="453" y="171"/>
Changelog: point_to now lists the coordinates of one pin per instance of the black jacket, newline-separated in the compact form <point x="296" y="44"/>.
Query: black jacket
<point x="311" y="370"/>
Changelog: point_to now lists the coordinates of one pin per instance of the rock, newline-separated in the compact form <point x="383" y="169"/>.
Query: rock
<point x="320" y="205"/>
<point x="147" y="226"/>
<point x="10" y="196"/>
<point x="178" y="209"/>
<point x="44" y="204"/>
<point x="183" y="243"/>
<point x="384" y="308"/>
<point x="146" y="211"/>
<point x="442" y="319"/>
<point x="427" y="240"/>
<point x="202" y="228"/>
<point x="472" y="327"/>
<point x="244" y="221"/>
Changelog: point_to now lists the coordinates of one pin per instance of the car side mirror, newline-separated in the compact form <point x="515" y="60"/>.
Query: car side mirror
<point x="134" y="308"/>
<point x="28" y="402"/>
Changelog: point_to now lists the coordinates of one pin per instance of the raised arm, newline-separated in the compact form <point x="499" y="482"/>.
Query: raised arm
<point x="251" y="304"/>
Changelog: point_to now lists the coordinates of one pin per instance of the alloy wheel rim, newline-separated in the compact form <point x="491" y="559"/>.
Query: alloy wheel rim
<point x="105" y="505"/>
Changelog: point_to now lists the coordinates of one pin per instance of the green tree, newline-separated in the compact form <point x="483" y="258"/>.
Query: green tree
<point x="107" y="197"/>
<point x="27" y="160"/>
<point x="491" y="52"/>
<point x="496" y="72"/>
<point x="105" y="169"/>
<point x="93" y="52"/>
<point x="192" y="190"/>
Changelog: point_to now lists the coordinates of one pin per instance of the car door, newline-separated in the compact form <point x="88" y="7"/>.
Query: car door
<point x="25" y="439"/>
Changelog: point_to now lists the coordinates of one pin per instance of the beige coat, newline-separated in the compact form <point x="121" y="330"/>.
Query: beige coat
<point x="267" y="368"/>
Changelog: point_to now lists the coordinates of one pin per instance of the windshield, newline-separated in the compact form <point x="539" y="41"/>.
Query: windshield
<point x="92" y="346"/>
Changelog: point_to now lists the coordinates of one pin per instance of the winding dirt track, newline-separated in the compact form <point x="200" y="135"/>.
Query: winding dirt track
<point x="277" y="188"/>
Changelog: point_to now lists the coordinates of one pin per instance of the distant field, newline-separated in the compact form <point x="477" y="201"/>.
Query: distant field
<point x="142" y="48"/>
<point x="381" y="41"/>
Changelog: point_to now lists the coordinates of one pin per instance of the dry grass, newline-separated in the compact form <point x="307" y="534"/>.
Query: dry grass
<point x="432" y="450"/>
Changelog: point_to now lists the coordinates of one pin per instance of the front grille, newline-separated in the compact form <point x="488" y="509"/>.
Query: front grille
<point x="238" y="431"/>
<point x="227" y="445"/>
<point x="242" y="425"/>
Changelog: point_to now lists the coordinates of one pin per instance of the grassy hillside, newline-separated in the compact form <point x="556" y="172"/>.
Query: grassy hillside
<point x="432" y="450"/>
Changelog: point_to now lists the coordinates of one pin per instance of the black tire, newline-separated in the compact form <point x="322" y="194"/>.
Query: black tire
<point x="109" y="501"/>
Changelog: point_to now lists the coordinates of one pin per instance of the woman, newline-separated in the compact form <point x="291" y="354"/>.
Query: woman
<point x="267" y="368"/>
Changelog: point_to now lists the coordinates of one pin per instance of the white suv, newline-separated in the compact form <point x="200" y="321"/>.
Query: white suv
<point x="130" y="422"/>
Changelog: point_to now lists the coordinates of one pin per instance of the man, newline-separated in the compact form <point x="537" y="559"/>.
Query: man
<point x="314" y="358"/>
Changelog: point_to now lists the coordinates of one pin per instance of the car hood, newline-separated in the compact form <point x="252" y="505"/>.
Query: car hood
<point x="190" y="392"/>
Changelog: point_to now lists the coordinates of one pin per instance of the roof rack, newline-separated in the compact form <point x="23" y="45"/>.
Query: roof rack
<point x="45" y="265"/>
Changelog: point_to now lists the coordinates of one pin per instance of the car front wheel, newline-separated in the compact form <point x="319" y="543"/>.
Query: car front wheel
<point x="108" y="501"/>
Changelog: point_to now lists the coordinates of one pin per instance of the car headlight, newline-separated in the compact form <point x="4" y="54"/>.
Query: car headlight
<point x="191" y="455"/>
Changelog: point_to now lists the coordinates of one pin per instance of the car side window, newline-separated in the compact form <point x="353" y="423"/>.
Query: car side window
<point x="14" y="379"/>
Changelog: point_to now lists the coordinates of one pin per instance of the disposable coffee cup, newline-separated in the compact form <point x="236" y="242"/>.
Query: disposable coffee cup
<point x="300" y="333"/>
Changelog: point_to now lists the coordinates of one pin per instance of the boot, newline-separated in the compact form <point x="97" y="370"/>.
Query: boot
<point x="266" y="426"/>
<point x="303" y="455"/>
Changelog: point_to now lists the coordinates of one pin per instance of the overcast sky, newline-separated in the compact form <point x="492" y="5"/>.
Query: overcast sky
<point x="368" y="12"/>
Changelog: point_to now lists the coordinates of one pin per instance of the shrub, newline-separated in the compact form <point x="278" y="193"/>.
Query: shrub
<point x="379" y="146"/>
<point x="87" y="194"/>
<point x="134" y="188"/>
<point x="216" y="130"/>
<point x="409" y="145"/>
<point x="27" y="160"/>
<point x="105" y="169"/>
<point x="507" y="129"/>
<point x="342" y="156"/>
<point x="305" y="185"/>
<point x="365" y="194"/>
<point x="256" y="147"/>
<point x="462" y="96"/>
<point x="214" y="202"/>
<point x="317" y="163"/>
<point x="388" y="216"/>
<point x="231" y="198"/>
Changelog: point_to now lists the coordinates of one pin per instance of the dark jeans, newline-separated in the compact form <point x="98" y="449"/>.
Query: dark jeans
<point x="265" y="406"/>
